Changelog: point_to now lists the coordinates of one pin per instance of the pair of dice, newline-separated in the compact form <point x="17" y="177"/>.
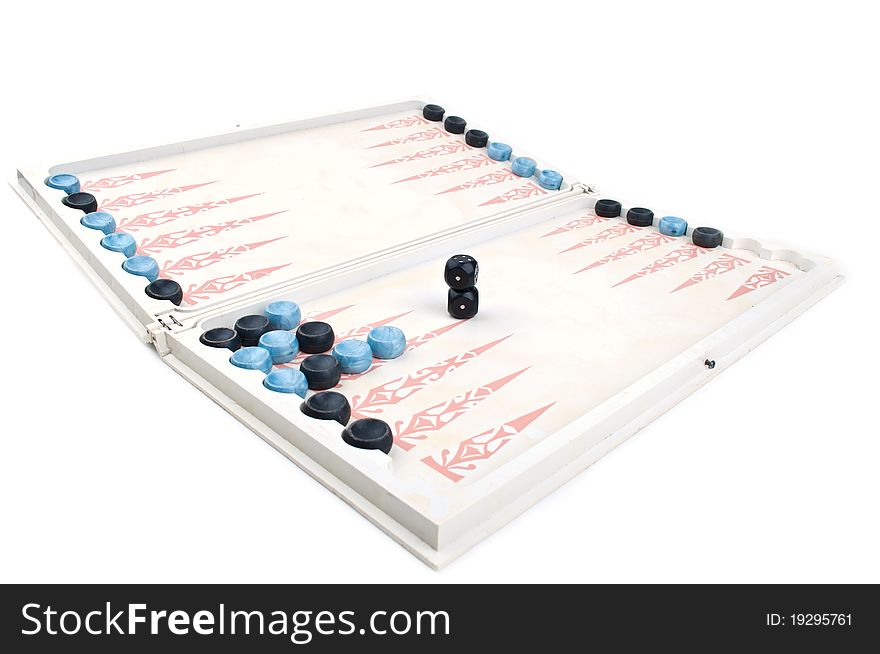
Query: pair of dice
<point x="463" y="300"/>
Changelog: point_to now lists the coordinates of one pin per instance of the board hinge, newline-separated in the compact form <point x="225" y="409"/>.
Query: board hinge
<point x="586" y="188"/>
<point x="158" y="332"/>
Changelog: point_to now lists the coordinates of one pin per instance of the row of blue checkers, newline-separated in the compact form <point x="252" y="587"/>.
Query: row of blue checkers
<point x="114" y="241"/>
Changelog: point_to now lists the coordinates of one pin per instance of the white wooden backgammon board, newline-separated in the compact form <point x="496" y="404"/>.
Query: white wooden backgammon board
<point x="594" y="317"/>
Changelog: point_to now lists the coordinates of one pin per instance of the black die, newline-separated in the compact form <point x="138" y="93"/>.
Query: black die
<point x="461" y="272"/>
<point x="463" y="304"/>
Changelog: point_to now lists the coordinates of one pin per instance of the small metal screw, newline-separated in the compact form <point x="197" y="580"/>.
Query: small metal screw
<point x="709" y="363"/>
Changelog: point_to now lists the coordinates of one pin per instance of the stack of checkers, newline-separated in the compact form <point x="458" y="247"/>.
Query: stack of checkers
<point x="268" y="341"/>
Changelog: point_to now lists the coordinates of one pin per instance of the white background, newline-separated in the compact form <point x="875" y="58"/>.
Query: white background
<point x="758" y="116"/>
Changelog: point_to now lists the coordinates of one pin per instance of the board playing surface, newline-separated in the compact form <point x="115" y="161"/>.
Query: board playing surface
<point x="232" y="219"/>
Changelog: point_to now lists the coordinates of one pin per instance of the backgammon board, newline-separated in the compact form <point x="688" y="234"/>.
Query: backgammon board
<point x="594" y="316"/>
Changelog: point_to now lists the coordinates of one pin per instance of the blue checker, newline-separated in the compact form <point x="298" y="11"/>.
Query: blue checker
<point x="354" y="356"/>
<point x="283" y="314"/>
<point x="523" y="166"/>
<point x="386" y="342"/>
<point x="100" y="220"/>
<point x="281" y="345"/>
<point x="64" y="182"/>
<point x="549" y="179"/>
<point x="672" y="226"/>
<point x="287" y="380"/>
<point x="143" y="266"/>
<point x="251" y="358"/>
<point x="499" y="151"/>
<point x="120" y="242"/>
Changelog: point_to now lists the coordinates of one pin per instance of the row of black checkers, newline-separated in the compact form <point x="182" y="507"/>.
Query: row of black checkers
<point x="476" y="138"/>
<point x="322" y="371"/>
